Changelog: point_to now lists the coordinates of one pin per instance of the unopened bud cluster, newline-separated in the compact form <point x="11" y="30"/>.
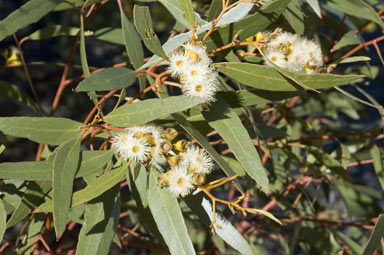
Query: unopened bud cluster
<point x="291" y="52"/>
<point x="193" y="67"/>
<point x="151" y="144"/>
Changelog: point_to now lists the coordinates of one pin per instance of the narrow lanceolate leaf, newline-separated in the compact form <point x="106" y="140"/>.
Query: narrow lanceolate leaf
<point x="188" y="13"/>
<point x="315" y="6"/>
<point x="53" y="131"/>
<point x="349" y="38"/>
<point x="26" y="170"/>
<point x="9" y="91"/>
<point x="167" y="214"/>
<point x="53" y="31"/>
<point x="108" y="79"/>
<point x="150" y="109"/>
<point x="100" y="223"/>
<point x="32" y="198"/>
<point x="295" y="17"/>
<point x="91" y="161"/>
<point x="376" y="235"/>
<point x="268" y="78"/>
<point x="3" y="219"/>
<point x="27" y="14"/>
<point x="132" y="41"/>
<point x="357" y="8"/>
<point x="203" y="208"/>
<point x="143" y="24"/>
<point x="331" y="163"/>
<point x="93" y="190"/>
<point x="222" y="118"/>
<point x="65" y="166"/>
<point x="248" y="26"/>
<point x="205" y="144"/>
<point x="378" y="163"/>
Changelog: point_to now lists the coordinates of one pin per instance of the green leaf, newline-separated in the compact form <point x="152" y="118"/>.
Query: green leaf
<point x="203" y="208"/>
<point x="132" y="41"/>
<point x="378" y="163"/>
<point x="32" y="198"/>
<point x="187" y="126"/>
<point x="34" y="230"/>
<point x="12" y="92"/>
<point x="100" y="223"/>
<point x="167" y="214"/>
<point x="33" y="170"/>
<point x="3" y="219"/>
<point x="376" y="236"/>
<point x="69" y="4"/>
<point x="91" y="161"/>
<point x="315" y="6"/>
<point x="233" y="15"/>
<point x="175" y="8"/>
<point x="331" y="163"/>
<point x="223" y="119"/>
<point x="143" y="24"/>
<point x="27" y="14"/>
<point x="53" y="31"/>
<point x="357" y="8"/>
<point x="214" y="9"/>
<point x="110" y="35"/>
<point x="93" y="190"/>
<point x="349" y="38"/>
<point x="53" y="131"/>
<point x="354" y="59"/>
<point x="148" y="110"/>
<point x="360" y="200"/>
<point x="108" y="79"/>
<point x="268" y="78"/>
<point x="188" y="13"/>
<point x="248" y="26"/>
<point x="139" y="188"/>
<point x="355" y="247"/>
<point x="65" y="165"/>
<point x="295" y="17"/>
<point x="11" y="193"/>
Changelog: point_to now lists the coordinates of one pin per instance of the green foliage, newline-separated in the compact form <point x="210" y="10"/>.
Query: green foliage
<point x="267" y="160"/>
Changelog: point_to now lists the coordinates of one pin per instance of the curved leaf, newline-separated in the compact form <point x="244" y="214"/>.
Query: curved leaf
<point x="108" y="79"/>
<point x="65" y="165"/>
<point x="53" y="31"/>
<point x="167" y="214"/>
<point x="223" y="119"/>
<point x="143" y="24"/>
<point x="53" y="131"/>
<point x="27" y="14"/>
<point x="3" y="218"/>
<point x="100" y="223"/>
<point x="376" y="236"/>
<point x="148" y="110"/>
<point x="93" y="190"/>
<point x="268" y="78"/>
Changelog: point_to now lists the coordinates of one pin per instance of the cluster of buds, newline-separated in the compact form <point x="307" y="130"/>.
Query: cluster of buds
<point x="292" y="52"/>
<point x="193" y="67"/>
<point x="162" y="148"/>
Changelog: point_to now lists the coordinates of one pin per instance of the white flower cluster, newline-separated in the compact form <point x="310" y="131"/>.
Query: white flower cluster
<point x="189" y="164"/>
<point x="292" y="52"/>
<point x="194" y="69"/>
<point x="143" y="143"/>
<point x="189" y="170"/>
